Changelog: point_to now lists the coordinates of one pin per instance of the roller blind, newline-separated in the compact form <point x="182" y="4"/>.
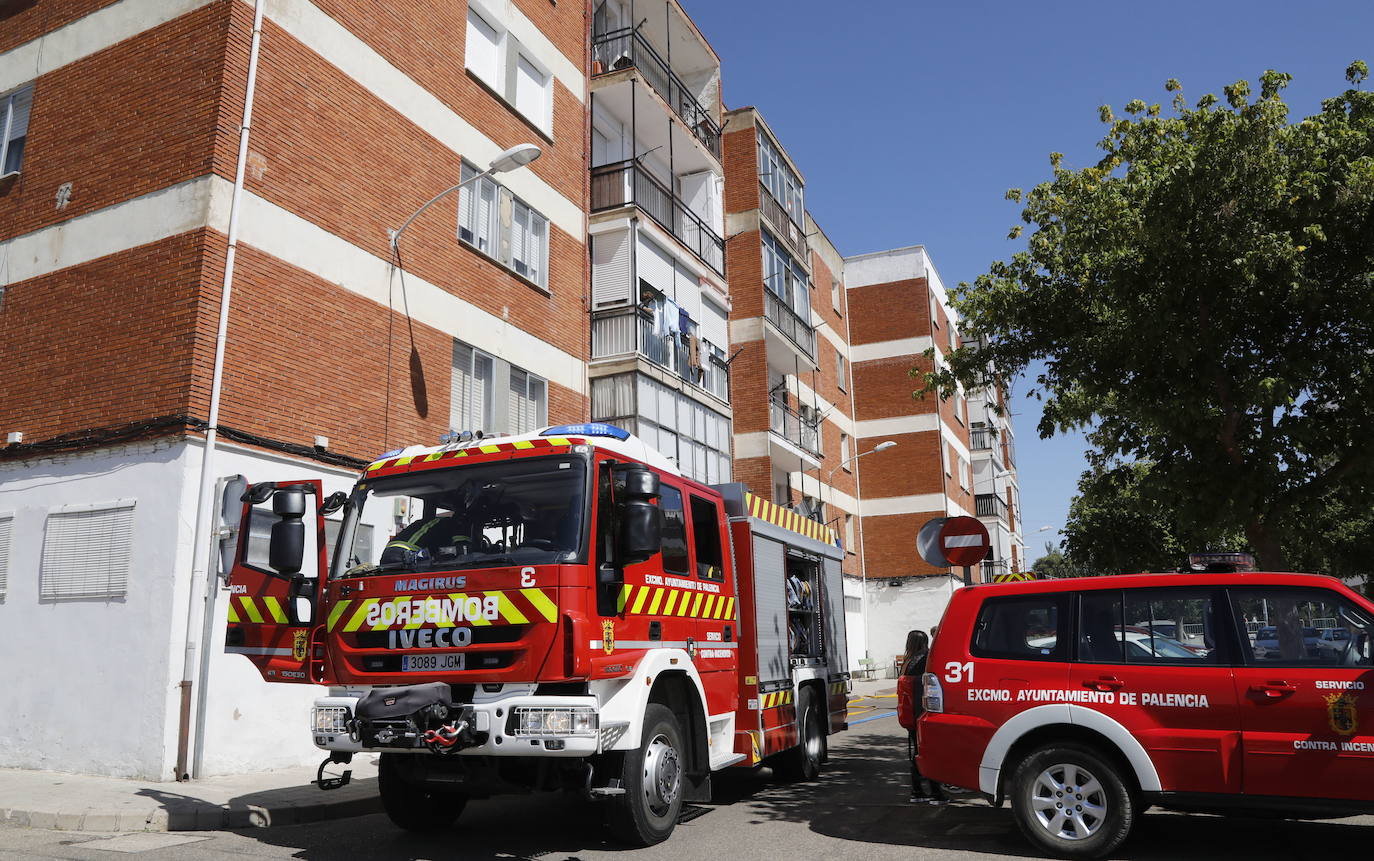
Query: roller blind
<point x="86" y="551"/>
<point x="483" y="50"/>
<point x="6" y="527"/>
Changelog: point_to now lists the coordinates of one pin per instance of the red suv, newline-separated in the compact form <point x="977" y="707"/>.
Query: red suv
<point x="1085" y="701"/>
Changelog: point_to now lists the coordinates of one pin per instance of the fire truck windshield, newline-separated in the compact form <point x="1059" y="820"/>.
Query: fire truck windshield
<point x="526" y="511"/>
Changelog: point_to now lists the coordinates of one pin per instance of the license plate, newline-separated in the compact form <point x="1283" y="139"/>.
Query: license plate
<point x="432" y="663"/>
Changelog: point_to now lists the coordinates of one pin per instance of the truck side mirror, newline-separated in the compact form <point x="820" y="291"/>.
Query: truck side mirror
<point x="286" y="550"/>
<point x="641" y="521"/>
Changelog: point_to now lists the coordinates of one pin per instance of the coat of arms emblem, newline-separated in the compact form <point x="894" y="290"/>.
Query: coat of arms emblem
<point x="1342" y="714"/>
<point x="300" y="644"/>
<point x="608" y="636"/>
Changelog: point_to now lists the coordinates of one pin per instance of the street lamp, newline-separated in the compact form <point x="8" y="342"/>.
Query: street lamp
<point x="863" y="565"/>
<point x="508" y="160"/>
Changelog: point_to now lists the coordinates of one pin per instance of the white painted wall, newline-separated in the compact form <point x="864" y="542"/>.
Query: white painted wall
<point x="87" y="682"/>
<point x="894" y="610"/>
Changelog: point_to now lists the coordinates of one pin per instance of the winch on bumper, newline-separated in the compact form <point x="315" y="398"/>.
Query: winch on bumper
<point x="426" y="718"/>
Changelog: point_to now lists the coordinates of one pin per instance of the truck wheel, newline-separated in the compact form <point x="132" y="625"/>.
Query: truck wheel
<point x="803" y="762"/>
<point x="412" y="806"/>
<point x="652" y="777"/>
<point x="1070" y="800"/>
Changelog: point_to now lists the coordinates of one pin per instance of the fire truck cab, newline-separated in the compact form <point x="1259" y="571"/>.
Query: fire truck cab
<point x="1084" y="701"/>
<point x="562" y="609"/>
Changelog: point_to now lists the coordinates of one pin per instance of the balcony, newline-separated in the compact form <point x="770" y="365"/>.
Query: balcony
<point x="630" y="331"/>
<point x="626" y="48"/>
<point x="982" y="439"/>
<point x="628" y="182"/>
<point x="991" y="505"/>
<point x="793" y="428"/>
<point x="787" y="321"/>
<point x="791" y="233"/>
<point x="991" y="569"/>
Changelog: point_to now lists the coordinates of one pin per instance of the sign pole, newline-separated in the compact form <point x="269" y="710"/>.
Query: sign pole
<point x="968" y="575"/>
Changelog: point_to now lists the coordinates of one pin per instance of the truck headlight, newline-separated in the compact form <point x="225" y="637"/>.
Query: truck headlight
<point x="546" y="721"/>
<point x="329" y="719"/>
<point x="932" y="694"/>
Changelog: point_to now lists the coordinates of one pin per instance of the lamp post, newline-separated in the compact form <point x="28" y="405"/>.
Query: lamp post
<point x="863" y="566"/>
<point x="517" y="156"/>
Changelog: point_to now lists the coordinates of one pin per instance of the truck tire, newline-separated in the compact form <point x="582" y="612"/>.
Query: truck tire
<point x="803" y="762"/>
<point x="652" y="777"/>
<point x="1070" y="800"/>
<point x="412" y="806"/>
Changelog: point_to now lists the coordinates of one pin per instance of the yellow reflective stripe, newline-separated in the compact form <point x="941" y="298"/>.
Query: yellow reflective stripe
<point x="233" y="614"/>
<point x="361" y="613"/>
<point x="524" y="443"/>
<point x="477" y="620"/>
<point x="489" y="449"/>
<point x="706" y="610"/>
<point x="558" y="440"/>
<point x="686" y="600"/>
<point x="658" y="599"/>
<point x="541" y="603"/>
<point x="625" y="592"/>
<point x="730" y="612"/>
<point x="672" y="602"/>
<point x="639" y="598"/>
<point x="402" y="461"/>
<point x="380" y="625"/>
<point x="274" y="607"/>
<point x="251" y="609"/>
<point x="508" y="610"/>
<point x="335" y="612"/>
<point x="696" y="605"/>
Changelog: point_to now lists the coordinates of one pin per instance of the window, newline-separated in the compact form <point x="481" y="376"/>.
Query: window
<point x="492" y="395"/>
<point x="502" y="63"/>
<point x="674" y="531"/>
<point x="1168" y="626"/>
<point x="86" y="551"/>
<point x="6" y="528"/>
<point x="1302" y="628"/>
<point x="840" y="370"/>
<point x="844" y="452"/>
<point x="785" y="277"/>
<point x="683" y="429"/>
<point x="944" y="458"/>
<point x="1025" y="629"/>
<point x="528" y="401"/>
<point x="522" y="244"/>
<point x="14" y="128"/>
<point x="963" y="472"/>
<point x="706" y="538"/>
<point x="779" y="179"/>
<point x="849" y="533"/>
<point x="835" y="295"/>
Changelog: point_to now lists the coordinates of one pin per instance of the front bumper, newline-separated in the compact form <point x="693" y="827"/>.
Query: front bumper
<point x="492" y="728"/>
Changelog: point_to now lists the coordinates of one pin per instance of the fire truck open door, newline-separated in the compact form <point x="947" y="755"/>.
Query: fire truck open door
<point x="277" y="581"/>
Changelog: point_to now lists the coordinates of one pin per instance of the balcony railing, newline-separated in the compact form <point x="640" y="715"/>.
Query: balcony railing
<point x="788" y="229"/>
<point x="991" y="505"/>
<point x="982" y="439"/>
<point x="626" y="182"/>
<point x="991" y="568"/>
<point x="625" y="48"/>
<point x="630" y="331"/>
<point x="797" y="330"/>
<point x="793" y="428"/>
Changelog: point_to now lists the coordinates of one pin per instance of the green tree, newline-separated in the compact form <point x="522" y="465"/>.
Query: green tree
<point x="1120" y="524"/>
<point x="1055" y="564"/>
<point x="1202" y="299"/>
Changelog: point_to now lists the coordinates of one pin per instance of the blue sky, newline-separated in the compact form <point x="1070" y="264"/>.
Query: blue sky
<point x="909" y="120"/>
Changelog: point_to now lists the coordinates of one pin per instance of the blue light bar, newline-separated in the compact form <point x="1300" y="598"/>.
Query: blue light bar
<point x="588" y="429"/>
<point x="386" y="454"/>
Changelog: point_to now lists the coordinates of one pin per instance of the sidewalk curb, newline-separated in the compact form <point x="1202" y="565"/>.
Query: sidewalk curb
<point x="197" y="816"/>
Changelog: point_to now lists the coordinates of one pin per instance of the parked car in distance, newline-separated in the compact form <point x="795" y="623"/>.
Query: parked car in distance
<point x="1267" y="640"/>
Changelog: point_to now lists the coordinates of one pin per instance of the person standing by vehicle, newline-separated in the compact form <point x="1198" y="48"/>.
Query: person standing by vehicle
<point x="909" y="709"/>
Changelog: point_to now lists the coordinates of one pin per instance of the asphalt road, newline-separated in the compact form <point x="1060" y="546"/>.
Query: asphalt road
<point x="858" y="809"/>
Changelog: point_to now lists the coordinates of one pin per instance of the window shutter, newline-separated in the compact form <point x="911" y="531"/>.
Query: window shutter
<point x="519" y="238"/>
<point x="483" y="50"/>
<point x="531" y="90"/>
<point x="486" y="215"/>
<point x="86" y="552"/>
<point x="6" y="528"/>
<point x="467" y="207"/>
<point x="460" y="401"/>
<point x="20" y="105"/>
<point x="539" y="248"/>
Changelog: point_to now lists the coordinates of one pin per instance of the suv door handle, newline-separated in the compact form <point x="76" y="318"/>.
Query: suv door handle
<point x="1104" y="683"/>
<point x="1274" y="690"/>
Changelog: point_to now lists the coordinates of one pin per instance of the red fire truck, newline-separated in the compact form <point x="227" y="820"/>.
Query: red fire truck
<point x="562" y="609"/>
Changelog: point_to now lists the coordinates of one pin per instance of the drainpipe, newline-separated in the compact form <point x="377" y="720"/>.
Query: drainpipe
<point x="199" y="597"/>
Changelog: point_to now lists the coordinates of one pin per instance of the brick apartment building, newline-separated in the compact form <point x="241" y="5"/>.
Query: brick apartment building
<point x="123" y="121"/>
<point x="655" y="267"/>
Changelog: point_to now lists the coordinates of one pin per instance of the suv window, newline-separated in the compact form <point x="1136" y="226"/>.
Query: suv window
<point x="674" y="530"/>
<point x="1157" y="626"/>
<point x="1025" y="628"/>
<point x="1302" y="627"/>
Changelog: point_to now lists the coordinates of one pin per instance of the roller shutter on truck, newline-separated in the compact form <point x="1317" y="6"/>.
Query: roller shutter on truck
<point x="832" y="617"/>
<point x="770" y="608"/>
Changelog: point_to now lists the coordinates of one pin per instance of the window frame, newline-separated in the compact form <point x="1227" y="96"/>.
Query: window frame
<point x="687" y="548"/>
<point x="7" y="136"/>
<point x="1224" y="654"/>
<point x="1246" y="654"/>
<point x="501" y="238"/>
<point x="693" y="500"/>
<point x="1064" y="632"/>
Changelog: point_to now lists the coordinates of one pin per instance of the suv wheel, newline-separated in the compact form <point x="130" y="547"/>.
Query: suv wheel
<point x="1071" y="801"/>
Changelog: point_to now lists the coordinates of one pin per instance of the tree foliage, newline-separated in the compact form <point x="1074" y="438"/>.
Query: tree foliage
<point x="1203" y="300"/>
<point x="1055" y="564"/>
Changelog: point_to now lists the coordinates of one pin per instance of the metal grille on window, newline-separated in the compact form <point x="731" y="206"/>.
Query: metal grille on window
<point x="86" y="552"/>
<point x="6" y="528"/>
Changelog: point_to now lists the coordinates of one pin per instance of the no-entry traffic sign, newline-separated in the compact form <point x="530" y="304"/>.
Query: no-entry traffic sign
<point x="964" y="541"/>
